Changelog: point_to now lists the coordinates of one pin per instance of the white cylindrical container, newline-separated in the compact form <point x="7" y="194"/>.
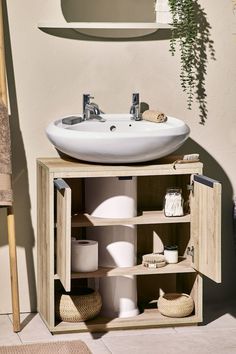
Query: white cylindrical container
<point x="114" y="198"/>
<point x="171" y="254"/>
<point x="119" y="296"/>
<point x="111" y="197"/>
<point x="84" y="255"/>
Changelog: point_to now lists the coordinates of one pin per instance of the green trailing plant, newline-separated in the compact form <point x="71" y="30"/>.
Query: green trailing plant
<point x="191" y="31"/>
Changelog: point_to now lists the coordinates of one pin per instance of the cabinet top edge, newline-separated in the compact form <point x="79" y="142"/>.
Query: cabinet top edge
<point x="58" y="165"/>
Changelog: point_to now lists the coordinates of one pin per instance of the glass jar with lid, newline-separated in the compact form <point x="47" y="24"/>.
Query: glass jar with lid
<point x="173" y="202"/>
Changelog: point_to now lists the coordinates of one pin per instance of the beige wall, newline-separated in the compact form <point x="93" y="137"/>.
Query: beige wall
<point x="47" y="77"/>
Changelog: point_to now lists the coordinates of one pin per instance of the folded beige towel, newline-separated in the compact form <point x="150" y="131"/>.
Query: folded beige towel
<point x="154" y="116"/>
<point x="5" y="158"/>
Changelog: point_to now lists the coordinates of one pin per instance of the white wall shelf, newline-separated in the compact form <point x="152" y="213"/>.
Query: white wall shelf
<point x="104" y="25"/>
<point x="106" y="29"/>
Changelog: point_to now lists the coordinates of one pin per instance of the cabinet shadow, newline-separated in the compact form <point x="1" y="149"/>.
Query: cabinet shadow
<point x="25" y="238"/>
<point x="218" y="293"/>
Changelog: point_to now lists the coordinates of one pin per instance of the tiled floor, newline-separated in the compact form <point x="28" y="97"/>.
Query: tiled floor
<point x="217" y="335"/>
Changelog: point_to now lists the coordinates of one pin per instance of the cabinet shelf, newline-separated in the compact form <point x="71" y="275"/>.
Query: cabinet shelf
<point x="147" y="217"/>
<point x="183" y="266"/>
<point x="149" y="318"/>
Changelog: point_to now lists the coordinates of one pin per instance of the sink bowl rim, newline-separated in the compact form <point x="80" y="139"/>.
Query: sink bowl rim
<point x="167" y="129"/>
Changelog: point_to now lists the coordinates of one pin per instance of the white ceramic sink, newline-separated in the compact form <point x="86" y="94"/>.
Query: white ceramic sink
<point x="119" y="139"/>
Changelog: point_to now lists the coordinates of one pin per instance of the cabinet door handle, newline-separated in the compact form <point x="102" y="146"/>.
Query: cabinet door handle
<point x="205" y="180"/>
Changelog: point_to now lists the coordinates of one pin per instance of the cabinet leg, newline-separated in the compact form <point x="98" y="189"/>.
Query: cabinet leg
<point x="13" y="269"/>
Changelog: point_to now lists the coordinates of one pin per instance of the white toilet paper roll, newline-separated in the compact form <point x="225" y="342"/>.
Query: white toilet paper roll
<point x="84" y="255"/>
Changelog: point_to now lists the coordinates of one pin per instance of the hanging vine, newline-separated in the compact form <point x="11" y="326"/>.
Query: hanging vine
<point x="191" y="31"/>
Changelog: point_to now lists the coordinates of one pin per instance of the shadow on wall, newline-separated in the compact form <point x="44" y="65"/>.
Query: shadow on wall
<point x="143" y="11"/>
<point x="161" y="34"/>
<point x="23" y="224"/>
<point x="214" y="292"/>
<point x="109" y="11"/>
<point x="201" y="45"/>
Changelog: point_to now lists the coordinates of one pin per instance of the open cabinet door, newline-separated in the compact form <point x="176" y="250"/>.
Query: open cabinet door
<point x="63" y="196"/>
<point x="206" y="226"/>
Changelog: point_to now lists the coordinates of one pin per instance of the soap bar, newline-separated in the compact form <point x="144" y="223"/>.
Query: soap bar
<point x="72" y="120"/>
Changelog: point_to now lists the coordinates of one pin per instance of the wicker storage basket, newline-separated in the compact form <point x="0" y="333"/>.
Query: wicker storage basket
<point x="175" y="305"/>
<point x="77" y="306"/>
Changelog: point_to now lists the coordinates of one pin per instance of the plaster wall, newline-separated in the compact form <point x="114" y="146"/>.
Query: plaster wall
<point x="47" y="76"/>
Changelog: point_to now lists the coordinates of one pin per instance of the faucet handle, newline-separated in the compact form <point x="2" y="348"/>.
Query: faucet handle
<point x="86" y="99"/>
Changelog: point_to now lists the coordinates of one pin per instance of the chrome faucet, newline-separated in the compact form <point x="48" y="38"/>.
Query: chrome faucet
<point x="135" y="108"/>
<point x="90" y="109"/>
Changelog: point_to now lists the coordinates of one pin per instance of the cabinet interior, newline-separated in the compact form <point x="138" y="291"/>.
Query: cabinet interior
<point x="150" y="195"/>
<point x="150" y="191"/>
<point x="150" y="287"/>
<point x="153" y="238"/>
<point x="150" y="238"/>
<point x="147" y="303"/>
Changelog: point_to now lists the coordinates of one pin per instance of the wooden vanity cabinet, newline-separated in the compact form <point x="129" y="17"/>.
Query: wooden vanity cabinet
<point x="198" y="236"/>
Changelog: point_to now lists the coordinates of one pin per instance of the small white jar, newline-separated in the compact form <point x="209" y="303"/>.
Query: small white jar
<point x="171" y="254"/>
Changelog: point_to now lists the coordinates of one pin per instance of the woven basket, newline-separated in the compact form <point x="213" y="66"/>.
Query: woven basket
<point x="175" y="305"/>
<point x="78" y="306"/>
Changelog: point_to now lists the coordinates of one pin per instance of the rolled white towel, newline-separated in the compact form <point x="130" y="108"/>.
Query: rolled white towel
<point x="154" y="116"/>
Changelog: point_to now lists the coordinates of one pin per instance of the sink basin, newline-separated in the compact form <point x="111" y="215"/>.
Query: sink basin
<point x="117" y="140"/>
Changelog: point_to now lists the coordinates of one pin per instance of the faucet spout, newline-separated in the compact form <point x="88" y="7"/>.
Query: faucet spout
<point x="90" y="109"/>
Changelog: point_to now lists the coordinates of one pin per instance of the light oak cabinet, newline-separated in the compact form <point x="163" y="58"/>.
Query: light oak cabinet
<point x="61" y="212"/>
